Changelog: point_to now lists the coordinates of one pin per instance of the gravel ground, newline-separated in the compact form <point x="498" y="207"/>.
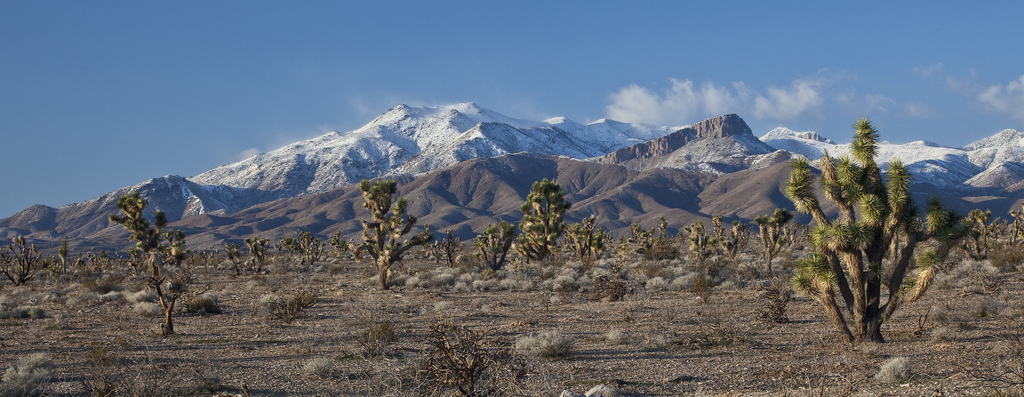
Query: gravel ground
<point x="652" y="343"/>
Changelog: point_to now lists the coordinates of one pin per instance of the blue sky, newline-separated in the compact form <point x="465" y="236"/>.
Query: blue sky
<point x="95" y="96"/>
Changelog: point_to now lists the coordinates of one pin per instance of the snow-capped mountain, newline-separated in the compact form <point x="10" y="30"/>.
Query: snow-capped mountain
<point x="992" y="162"/>
<point x="417" y="140"/>
<point x="713" y="165"/>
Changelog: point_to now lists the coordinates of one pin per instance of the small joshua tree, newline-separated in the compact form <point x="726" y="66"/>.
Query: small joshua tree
<point x="979" y="234"/>
<point x="310" y="248"/>
<point x="341" y="247"/>
<point x="447" y="249"/>
<point x="20" y="261"/>
<point x="382" y="234"/>
<point x="736" y="239"/>
<point x="701" y="244"/>
<point x="494" y="243"/>
<point x="773" y="234"/>
<point x="234" y="255"/>
<point x="853" y="256"/>
<point x="147" y="239"/>
<point x="542" y="222"/>
<point x="585" y="239"/>
<point x="257" y="252"/>
<point x="1018" y="223"/>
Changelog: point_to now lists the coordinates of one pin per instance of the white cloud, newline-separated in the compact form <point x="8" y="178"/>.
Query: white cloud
<point x="681" y="104"/>
<point x="1008" y="99"/>
<point x="927" y="71"/>
<point x="684" y="103"/>
<point x="789" y="103"/>
<point x="920" y="111"/>
<point x="248" y="153"/>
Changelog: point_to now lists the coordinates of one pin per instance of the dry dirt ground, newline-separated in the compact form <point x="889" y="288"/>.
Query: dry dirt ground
<point x="662" y="339"/>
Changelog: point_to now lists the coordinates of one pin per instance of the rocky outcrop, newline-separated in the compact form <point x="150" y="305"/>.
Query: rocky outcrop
<point x="718" y="144"/>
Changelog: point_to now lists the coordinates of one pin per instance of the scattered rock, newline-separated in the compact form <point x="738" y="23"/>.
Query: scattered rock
<point x="602" y="391"/>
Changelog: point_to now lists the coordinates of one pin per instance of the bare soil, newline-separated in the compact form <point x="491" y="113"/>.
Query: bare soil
<point x="655" y="342"/>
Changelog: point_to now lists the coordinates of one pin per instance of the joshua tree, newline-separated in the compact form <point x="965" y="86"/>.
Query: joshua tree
<point x="701" y="244"/>
<point x="147" y="242"/>
<point x="736" y="239"/>
<point x="979" y="235"/>
<point x="382" y="234"/>
<point x="310" y="248"/>
<point x="447" y="248"/>
<point x="495" y="242"/>
<point x="234" y="255"/>
<point x="851" y="250"/>
<point x="542" y="223"/>
<point x="20" y="260"/>
<point x="773" y="236"/>
<point x="651" y="246"/>
<point x="585" y="239"/>
<point x="341" y="247"/>
<point x="257" y="252"/>
<point x="1018" y="223"/>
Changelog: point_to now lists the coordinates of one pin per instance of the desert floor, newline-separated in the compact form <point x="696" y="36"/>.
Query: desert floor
<point x="662" y="339"/>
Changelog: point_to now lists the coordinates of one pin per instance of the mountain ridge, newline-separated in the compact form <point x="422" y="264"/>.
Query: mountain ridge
<point x="622" y="172"/>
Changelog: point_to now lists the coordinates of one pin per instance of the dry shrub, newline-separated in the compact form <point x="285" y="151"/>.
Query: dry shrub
<point x="702" y="287"/>
<point x="28" y="376"/>
<point x="1006" y="257"/>
<point x="462" y="361"/>
<point x="774" y="294"/>
<point x="205" y="303"/>
<point x="287" y="310"/>
<point x="320" y="367"/>
<point x="378" y="339"/>
<point x="607" y="289"/>
<point x="1008" y="380"/>
<point x="548" y="344"/>
<point x="894" y="371"/>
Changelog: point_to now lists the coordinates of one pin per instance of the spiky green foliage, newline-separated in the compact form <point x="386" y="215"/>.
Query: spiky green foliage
<point x="388" y="223"/>
<point x="773" y="234"/>
<point x="494" y="243"/>
<point x="869" y="246"/>
<point x="145" y="235"/>
<point x="585" y="239"/>
<point x="542" y="222"/>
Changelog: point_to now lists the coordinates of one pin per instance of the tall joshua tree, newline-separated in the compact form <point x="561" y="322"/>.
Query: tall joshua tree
<point x="853" y="257"/>
<point x="382" y="234"/>
<point x="147" y="239"/>
<point x="542" y="222"/>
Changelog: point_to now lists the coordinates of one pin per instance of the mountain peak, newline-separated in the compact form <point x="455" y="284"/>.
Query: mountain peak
<point x="721" y="127"/>
<point x="1007" y="137"/>
<point x="781" y="132"/>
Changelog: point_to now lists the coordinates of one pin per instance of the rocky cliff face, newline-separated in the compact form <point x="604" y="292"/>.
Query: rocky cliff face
<point x="719" y="144"/>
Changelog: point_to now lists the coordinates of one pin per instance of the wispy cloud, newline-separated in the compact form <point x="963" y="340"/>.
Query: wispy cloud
<point x="920" y="111"/>
<point x="685" y="102"/>
<point x="785" y="104"/>
<point x="248" y="153"/>
<point x="927" y="71"/>
<point x="1008" y="99"/>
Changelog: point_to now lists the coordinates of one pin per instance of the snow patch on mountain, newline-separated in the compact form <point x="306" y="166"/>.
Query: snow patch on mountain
<point x="408" y="139"/>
